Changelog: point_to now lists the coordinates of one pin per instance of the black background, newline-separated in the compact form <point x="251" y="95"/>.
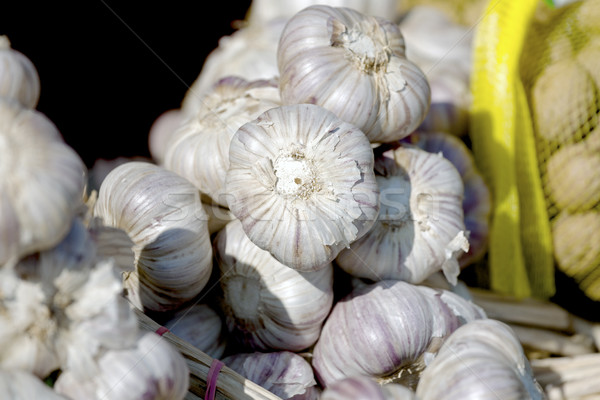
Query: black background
<point x="109" y="68"/>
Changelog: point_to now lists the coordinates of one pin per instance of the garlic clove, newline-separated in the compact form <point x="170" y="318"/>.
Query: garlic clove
<point x="162" y="214"/>
<point x="301" y="181"/>
<point x="41" y="180"/>
<point x="331" y="56"/>
<point x="20" y="385"/>
<point x="19" y="79"/>
<point x="283" y="373"/>
<point x="267" y="304"/>
<point x="420" y="228"/>
<point x="366" y="388"/>
<point x="199" y="149"/>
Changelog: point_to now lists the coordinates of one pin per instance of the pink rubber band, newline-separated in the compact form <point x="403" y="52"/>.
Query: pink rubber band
<point x="211" y="379"/>
<point x="162" y="330"/>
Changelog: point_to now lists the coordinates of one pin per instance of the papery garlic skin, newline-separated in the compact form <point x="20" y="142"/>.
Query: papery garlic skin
<point x="387" y="330"/>
<point x="41" y="182"/>
<point x="199" y="149"/>
<point x="301" y="181"/>
<point x="200" y="326"/>
<point x="283" y="373"/>
<point x="19" y="79"/>
<point x="483" y="359"/>
<point x="420" y="228"/>
<point x="162" y="213"/>
<point x="161" y="131"/>
<point x="150" y="370"/>
<point x="366" y="388"/>
<point x="20" y="385"/>
<point x="267" y="304"/>
<point x="355" y="66"/>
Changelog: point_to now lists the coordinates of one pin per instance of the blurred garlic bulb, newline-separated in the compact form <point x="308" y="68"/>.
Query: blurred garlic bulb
<point x="199" y="149"/>
<point x="420" y="229"/>
<point x="61" y="307"/>
<point x="19" y="78"/>
<point x="200" y="326"/>
<point x="387" y="330"/>
<point x="262" y="11"/>
<point x="572" y="177"/>
<point x="21" y="385"/>
<point x="249" y="53"/>
<point x="151" y="369"/>
<point x="302" y="183"/>
<point x="283" y="373"/>
<point x="162" y="213"/>
<point x="365" y="388"/>
<point x="41" y="182"/>
<point x="355" y="66"/>
<point x="161" y="131"/>
<point x="477" y="198"/>
<point x="482" y="359"/>
<point x="268" y="305"/>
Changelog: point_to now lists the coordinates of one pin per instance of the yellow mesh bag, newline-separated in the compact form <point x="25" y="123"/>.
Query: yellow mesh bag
<point x="535" y="107"/>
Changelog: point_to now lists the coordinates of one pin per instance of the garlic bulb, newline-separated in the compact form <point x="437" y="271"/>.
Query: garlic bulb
<point x="482" y="359"/>
<point x="365" y="388"/>
<point x="19" y="79"/>
<point x="302" y="183"/>
<point x="477" y="198"/>
<point x="387" y="330"/>
<point x="355" y="66"/>
<point x="161" y="131"/>
<point x="200" y="326"/>
<point x="199" y="149"/>
<point x="20" y="385"/>
<point x="283" y="373"/>
<point x="41" y="182"/>
<point x="249" y="53"/>
<point x="572" y="177"/>
<point x="162" y="213"/>
<point x="420" y="229"/>
<point x="268" y="305"/>
<point x="150" y="370"/>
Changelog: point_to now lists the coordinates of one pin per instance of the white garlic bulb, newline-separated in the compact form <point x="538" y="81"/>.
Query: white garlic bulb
<point x="151" y="369"/>
<point x="161" y="131"/>
<point x="355" y="66"/>
<point x="41" y="182"/>
<point x="199" y="149"/>
<point x="162" y="213"/>
<point x="21" y="385"/>
<point x="482" y="359"/>
<point x="420" y="229"/>
<point x="267" y="304"/>
<point x="366" y="388"/>
<point x="302" y="183"/>
<point x="200" y="326"/>
<point x="283" y="373"/>
<point x="19" y="78"/>
<point x="387" y="330"/>
<point x="249" y="53"/>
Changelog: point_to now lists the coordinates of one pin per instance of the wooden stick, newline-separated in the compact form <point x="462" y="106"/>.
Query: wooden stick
<point x="553" y="342"/>
<point x="231" y="385"/>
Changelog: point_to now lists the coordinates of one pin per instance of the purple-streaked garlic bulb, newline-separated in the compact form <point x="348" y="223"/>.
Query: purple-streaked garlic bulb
<point x="42" y="182"/>
<point x="355" y="66"/>
<point x="151" y="369"/>
<point x="388" y="330"/>
<point x="199" y="149"/>
<point x="301" y="181"/>
<point x="284" y="373"/>
<point x="200" y="326"/>
<point x="366" y="388"/>
<point x="482" y="359"/>
<point x="477" y="199"/>
<point x="267" y="304"/>
<point x="162" y="214"/>
<point x="420" y="228"/>
<point x="19" y="79"/>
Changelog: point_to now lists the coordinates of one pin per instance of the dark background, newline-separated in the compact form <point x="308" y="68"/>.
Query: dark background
<point x="108" y="68"/>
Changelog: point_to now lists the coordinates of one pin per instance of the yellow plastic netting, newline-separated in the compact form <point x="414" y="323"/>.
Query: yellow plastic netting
<point x="535" y="87"/>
